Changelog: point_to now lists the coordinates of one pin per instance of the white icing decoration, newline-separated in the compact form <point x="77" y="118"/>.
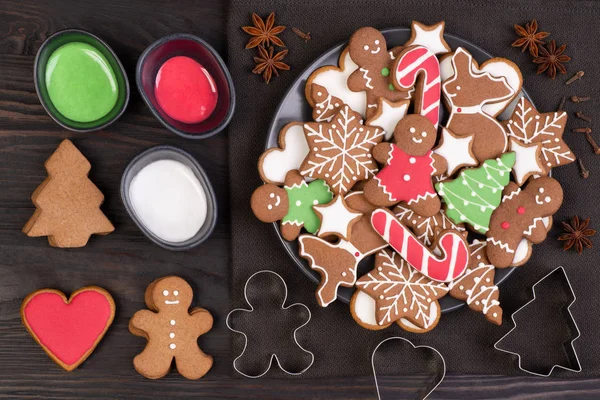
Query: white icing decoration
<point x="277" y="163"/>
<point x="526" y="160"/>
<point x="389" y="115"/>
<point x="456" y="151"/>
<point x="366" y="77"/>
<point x="172" y="322"/>
<point x="432" y="38"/>
<point x="334" y="80"/>
<point x="336" y="218"/>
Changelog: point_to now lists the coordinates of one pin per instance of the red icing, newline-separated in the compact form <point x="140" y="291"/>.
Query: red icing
<point x="357" y="254"/>
<point x="185" y="90"/>
<point x="391" y="177"/>
<point x="446" y="268"/>
<point x="407" y="72"/>
<point x="521" y="210"/>
<point x="459" y="109"/>
<point x="505" y="225"/>
<point x="68" y="331"/>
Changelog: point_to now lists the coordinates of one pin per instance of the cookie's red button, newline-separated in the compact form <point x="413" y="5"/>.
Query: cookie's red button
<point x="505" y="225"/>
<point x="521" y="210"/>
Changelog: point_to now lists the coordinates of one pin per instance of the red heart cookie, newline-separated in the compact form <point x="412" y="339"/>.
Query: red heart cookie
<point x="68" y="329"/>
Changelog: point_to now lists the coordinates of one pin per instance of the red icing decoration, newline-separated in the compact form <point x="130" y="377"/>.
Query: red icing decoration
<point x="409" y="68"/>
<point x="459" y="109"/>
<point x="521" y="210"/>
<point x="445" y="269"/>
<point x="68" y="331"/>
<point x="185" y="90"/>
<point x="357" y="254"/>
<point x="505" y="225"/>
<point x="391" y="177"/>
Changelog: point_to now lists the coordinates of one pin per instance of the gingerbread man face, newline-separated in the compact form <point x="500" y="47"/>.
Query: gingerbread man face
<point x="415" y="134"/>
<point x="269" y="203"/>
<point x="171" y="294"/>
<point x="548" y="195"/>
<point x="368" y="48"/>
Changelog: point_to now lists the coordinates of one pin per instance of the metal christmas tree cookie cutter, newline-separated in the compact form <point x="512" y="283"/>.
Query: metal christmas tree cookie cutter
<point x="573" y="359"/>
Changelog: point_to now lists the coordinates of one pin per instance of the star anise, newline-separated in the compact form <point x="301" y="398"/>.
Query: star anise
<point x="530" y="37"/>
<point x="576" y="234"/>
<point x="264" y="33"/>
<point x="269" y="64"/>
<point x="551" y="59"/>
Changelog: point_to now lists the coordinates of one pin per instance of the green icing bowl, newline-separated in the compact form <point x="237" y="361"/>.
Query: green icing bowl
<point x="49" y="46"/>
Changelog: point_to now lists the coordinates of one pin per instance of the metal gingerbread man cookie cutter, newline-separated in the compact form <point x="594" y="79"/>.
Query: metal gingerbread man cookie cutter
<point x="274" y="356"/>
<point x="573" y="358"/>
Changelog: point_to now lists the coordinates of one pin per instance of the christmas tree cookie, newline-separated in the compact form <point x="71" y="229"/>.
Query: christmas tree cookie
<point x="474" y="195"/>
<point x="67" y="202"/>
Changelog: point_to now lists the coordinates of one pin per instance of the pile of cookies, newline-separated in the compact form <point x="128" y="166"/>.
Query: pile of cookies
<point x="441" y="207"/>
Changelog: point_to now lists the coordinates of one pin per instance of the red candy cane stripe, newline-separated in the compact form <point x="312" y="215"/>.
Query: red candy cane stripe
<point x="414" y="61"/>
<point x="455" y="251"/>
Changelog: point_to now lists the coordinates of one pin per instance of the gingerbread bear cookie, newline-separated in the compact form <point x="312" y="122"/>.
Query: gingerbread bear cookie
<point x="410" y="165"/>
<point x="292" y="204"/>
<point x="368" y="49"/>
<point x="466" y="93"/>
<point x="276" y="162"/>
<point x="521" y="215"/>
<point x="172" y="330"/>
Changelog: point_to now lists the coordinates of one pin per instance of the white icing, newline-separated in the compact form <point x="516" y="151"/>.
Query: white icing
<point x="364" y="308"/>
<point x="172" y="346"/>
<point x="456" y="151"/>
<point x="277" y="163"/>
<point x="172" y="322"/>
<point x="527" y="161"/>
<point x="366" y="77"/>
<point x="336" y="218"/>
<point x="389" y="115"/>
<point x="431" y="37"/>
<point x="169" y="200"/>
<point x="334" y="80"/>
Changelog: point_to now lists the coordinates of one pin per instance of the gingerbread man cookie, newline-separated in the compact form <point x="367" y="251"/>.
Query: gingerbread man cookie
<point x="172" y="330"/>
<point x="409" y="166"/>
<point x="521" y="215"/>
<point x="292" y="204"/>
<point x="368" y="49"/>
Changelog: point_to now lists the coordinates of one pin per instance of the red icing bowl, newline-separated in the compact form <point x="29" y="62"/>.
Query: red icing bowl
<point x="181" y="44"/>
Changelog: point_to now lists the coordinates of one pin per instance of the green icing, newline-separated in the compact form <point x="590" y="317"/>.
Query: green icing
<point x="474" y="195"/>
<point x="302" y="198"/>
<point x="391" y="87"/>
<point x="81" y="83"/>
<point x="385" y="71"/>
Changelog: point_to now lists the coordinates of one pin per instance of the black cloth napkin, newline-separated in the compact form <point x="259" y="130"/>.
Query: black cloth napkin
<point x="464" y="337"/>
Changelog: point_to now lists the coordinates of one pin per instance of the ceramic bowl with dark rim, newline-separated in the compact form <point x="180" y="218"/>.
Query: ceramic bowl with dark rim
<point x="46" y="50"/>
<point x="158" y="153"/>
<point x="197" y="49"/>
<point x="294" y="107"/>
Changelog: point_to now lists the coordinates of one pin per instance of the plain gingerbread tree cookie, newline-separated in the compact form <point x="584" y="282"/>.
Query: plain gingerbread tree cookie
<point x="172" y="330"/>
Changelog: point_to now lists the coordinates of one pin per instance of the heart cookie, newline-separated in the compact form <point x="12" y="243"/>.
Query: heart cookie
<point x="68" y="329"/>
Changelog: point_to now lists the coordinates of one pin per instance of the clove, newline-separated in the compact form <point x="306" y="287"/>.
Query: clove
<point x="588" y="136"/>
<point x="575" y="77"/>
<point x="579" y="99"/>
<point x="561" y="106"/>
<point x="582" y="116"/>
<point x="583" y="171"/>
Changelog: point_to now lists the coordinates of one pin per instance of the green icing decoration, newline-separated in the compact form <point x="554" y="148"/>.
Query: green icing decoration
<point x="391" y="87"/>
<point x="385" y="71"/>
<point x="475" y="193"/>
<point x="302" y="198"/>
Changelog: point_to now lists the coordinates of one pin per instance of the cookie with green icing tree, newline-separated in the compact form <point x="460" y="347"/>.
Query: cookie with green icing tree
<point x="474" y="195"/>
<point x="292" y="204"/>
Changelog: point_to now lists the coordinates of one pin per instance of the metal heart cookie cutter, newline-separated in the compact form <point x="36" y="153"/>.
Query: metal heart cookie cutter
<point x="572" y="360"/>
<point x="436" y="364"/>
<point x="268" y="327"/>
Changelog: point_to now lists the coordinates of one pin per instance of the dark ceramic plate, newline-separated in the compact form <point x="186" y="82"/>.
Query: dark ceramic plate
<point x="181" y="44"/>
<point x="171" y="153"/>
<point x="39" y="77"/>
<point x="294" y="107"/>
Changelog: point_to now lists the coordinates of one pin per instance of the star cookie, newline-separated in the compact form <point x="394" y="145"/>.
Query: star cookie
<point x="336" y="218"/>
<point x="457" y="150"/>
<point x="431" y="37"/>
<point x="528" y="126"/>
<point x="340" y="150"/>
<point x="388" y="114"/>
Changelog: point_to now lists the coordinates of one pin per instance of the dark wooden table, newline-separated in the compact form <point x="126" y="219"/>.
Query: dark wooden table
<point x="125" y="262"/>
